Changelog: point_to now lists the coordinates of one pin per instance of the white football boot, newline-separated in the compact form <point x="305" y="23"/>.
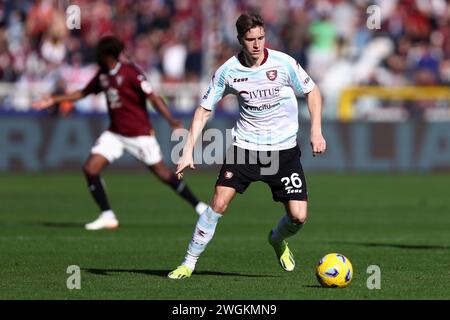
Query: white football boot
<point x="106" y="220"/>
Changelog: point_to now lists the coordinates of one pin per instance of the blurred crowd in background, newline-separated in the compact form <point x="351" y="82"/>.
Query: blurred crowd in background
<point x="183" y="41"/>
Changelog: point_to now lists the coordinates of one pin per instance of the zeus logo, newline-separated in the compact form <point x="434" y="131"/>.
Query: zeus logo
<point x="260" y="93"/>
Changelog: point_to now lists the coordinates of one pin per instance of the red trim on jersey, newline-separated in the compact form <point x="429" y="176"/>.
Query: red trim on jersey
<point x="266" y="55"/>
<point x="242" y="61"/>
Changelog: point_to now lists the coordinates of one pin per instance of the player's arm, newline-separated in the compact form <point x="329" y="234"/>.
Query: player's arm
<point x="160" y="106"/>
<point x="314" y="101"/>
<point x="142" y="84"/>
<point x="302" y="83"/>
<point x="50" y="100"/>
<point x="199" y="120"/>
<point x="92" y="87"/>
<point x="214" y="93"/>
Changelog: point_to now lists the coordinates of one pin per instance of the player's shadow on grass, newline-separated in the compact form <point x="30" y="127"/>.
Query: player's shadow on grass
<point x="63" y="224"/>
<point x="396" y="245"/>
<point x="164" y="273"/>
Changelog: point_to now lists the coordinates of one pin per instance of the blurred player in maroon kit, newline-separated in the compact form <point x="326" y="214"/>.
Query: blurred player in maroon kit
<point x="130" y="129"/>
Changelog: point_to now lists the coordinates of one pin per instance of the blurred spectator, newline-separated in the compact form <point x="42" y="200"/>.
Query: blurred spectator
<point x="425" y="59"/>
<point x="53" y="49"/>
<point x="6" y="58"/>
<point x="174" y="53"/>
<point x="38" y="21"/>
<point x="323" y="49"/>
<point x="183" y="41"/>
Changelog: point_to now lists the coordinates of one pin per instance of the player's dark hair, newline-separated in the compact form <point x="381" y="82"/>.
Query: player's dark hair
<point x="247" y="21"/>
<point x="109" y="46"/>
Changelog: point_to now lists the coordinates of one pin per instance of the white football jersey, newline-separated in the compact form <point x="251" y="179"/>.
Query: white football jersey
<point x="268" y="109"/>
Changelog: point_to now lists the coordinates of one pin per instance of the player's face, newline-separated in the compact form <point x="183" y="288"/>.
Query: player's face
<point x="253" y="42"/>
<point x="101" y="61"/>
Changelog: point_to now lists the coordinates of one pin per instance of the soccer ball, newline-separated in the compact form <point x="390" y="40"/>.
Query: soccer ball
<point x="334" y="270"/>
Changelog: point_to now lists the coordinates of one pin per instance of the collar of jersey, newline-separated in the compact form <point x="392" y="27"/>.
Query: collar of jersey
<point x="114" y="70"/>
<point x="241" y="60"/>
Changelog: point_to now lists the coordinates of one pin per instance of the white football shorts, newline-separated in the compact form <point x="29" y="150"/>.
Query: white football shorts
<point x="144" y="148"/>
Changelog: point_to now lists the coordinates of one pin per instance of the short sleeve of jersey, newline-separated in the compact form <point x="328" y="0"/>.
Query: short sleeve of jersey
<point x="215" y="91"/>
<point x="299" y="80"/>
<point x="140" y="81"/>
<point x="93" y="86"/>
<point x="144" y="84"/>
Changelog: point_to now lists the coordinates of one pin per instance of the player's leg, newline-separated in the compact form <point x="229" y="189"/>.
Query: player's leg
<point x="292" y="221"/>
<point x="108" y="148"/>
<point x="92" y="169"/>
<point x="165" y="175"/>
<point x="204" y="231"/>
<point x="147" y="150"/>
<point x="289" y="187"/>
<point x="233" y="177"/>
<point x="287" y="226"/>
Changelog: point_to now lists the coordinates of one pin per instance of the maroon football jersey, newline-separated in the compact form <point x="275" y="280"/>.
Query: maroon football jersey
<point x="126" y="89"/>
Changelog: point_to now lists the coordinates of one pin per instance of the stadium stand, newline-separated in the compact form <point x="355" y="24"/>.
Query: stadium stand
<point x="179" y="43"/>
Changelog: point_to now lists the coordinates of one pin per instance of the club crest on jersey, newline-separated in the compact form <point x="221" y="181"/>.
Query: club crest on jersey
<point x="228" y="174"/>
<point x="119" y="80"/>
<point x="271" y="74"/>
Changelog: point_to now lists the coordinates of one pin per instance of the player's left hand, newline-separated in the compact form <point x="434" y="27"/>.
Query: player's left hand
<point x="43" y="103"/>
<point x="186" y="161"/>
<point x="318" y="144"/>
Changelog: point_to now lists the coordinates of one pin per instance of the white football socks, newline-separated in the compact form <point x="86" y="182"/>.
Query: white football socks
<point x="203" y="233"/>
<point x="285" y="229"/>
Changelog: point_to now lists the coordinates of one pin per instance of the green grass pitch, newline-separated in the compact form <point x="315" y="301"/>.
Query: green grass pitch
<point x="399" y="222"/>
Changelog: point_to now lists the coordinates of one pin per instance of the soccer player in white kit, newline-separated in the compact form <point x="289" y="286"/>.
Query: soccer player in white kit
<point x="265" y="83"/>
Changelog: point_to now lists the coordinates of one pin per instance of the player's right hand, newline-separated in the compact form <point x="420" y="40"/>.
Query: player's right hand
<point x="318" y="144"/>
<point x="185" y="162"/>
<point x="43" y="103"/>
<point x="177" y="124"/>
